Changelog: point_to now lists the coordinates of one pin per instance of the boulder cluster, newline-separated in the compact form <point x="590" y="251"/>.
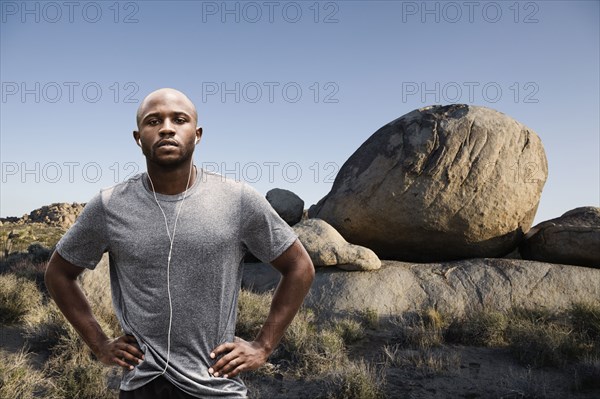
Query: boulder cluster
<point x="59" y="214"/>
<point x="441" y="183"/>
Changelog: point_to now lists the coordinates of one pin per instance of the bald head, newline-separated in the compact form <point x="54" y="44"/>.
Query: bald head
<point x="166" y="96"/>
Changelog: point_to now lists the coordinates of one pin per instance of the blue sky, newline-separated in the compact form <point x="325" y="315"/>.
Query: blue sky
<point x="286" y="91"/>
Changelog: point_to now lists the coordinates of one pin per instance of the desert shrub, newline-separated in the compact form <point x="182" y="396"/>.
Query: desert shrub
<point x="330" y="343"/>
<point x="18" y="296"/>
<point x="18" y="379"/>
<point x="31" y="271"/>
<point x="349" y="329"/>
<point x="545" y="344"/>
<point x="481" y="328"/>
<point x="356" y="380"/>
<point x="421" y="330"/>
<point x="38" y="253"/>
<point x="370" y="318"/>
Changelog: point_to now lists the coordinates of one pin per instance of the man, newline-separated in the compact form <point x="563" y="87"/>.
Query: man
<point x="176" y="237"/>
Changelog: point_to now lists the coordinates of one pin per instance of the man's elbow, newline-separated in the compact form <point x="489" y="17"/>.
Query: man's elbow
<point x="309" y="268"/>
<point x="51" y="274"/>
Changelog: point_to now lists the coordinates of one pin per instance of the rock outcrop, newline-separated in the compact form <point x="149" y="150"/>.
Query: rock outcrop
<point x="57" y="214"/>
<point x="287" y="205"/>
<point x="439" y="183"/>
<point x="327" y="247"/>
<point x="573" y="239"/>
<point x="452" y="287"/>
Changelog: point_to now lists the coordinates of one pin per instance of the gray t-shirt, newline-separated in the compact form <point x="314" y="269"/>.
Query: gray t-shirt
<point x="221" y="219"/>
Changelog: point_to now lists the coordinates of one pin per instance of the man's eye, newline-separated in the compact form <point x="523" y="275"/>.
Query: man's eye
<point x="153" y="122"/>
<point x="180" y="120"/>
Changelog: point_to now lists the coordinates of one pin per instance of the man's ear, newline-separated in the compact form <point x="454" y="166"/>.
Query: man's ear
<point x="136" y="137"/>
<point x="198" y="134"/>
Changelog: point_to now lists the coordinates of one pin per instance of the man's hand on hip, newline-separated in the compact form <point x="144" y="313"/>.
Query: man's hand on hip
<point x="240" y="355"/>
<point x="123" y="351"/>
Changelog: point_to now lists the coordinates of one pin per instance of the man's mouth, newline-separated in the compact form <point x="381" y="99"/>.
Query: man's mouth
<point x="167" y="143"/>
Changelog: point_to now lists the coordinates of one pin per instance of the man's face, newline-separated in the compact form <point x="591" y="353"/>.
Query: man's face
<point x="167" y="128"/>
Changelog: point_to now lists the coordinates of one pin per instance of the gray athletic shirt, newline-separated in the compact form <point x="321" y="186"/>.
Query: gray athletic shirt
<point x="220" y="220"/>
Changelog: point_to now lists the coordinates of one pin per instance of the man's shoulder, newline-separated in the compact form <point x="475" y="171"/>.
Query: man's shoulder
<point x="216" y="180"/>
<point x="126" y="187"/>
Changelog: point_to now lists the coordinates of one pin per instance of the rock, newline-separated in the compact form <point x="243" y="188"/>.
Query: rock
<point x="439" y="183"/>
<point x="327" y="247"/>
<point x="454" y="288"/>
<point x="287" y="204"/>
<point x="57" y="214"/>
<point x="572" y="239"/>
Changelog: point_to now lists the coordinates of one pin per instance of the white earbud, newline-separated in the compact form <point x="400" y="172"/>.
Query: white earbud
<point x="139" y="142"/>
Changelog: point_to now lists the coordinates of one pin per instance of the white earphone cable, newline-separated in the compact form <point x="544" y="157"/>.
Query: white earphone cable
<point x="172" y="240"/>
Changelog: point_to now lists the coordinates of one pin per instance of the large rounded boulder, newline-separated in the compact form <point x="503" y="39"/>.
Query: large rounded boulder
<point x="439" y="183"/>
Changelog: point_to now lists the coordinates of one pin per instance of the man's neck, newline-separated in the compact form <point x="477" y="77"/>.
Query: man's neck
<point x="172" y="181"/>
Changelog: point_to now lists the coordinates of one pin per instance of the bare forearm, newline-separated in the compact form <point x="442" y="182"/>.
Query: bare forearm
<point x="287" y="299"/>
<point x="73" y="304"/>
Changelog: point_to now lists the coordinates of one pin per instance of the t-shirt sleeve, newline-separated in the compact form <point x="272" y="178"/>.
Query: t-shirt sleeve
<point x="86" y="241"/>
<point x="264" y="233"/>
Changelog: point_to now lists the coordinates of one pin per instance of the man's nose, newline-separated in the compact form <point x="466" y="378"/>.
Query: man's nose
<point x="168" y="127"/>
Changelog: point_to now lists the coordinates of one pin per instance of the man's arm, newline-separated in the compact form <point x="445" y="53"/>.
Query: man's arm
<point x="61" y="280"/>
<point x="297" y="272"/>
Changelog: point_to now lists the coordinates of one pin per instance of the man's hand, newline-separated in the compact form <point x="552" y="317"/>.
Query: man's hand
<point x="241" y="356"/>
<point x="123" y="351"/>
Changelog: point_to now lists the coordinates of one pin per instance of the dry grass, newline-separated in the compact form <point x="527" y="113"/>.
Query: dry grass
<point x="370" y="318"/>
<point x="537" y="337"/>
<point x="422" y="330"/>
<point x="18" y="379"/>
<point x="356" y="380"/>
<point x="44" y="327"/>
<point x="541" y="345"/>
<point x="75" y="372"/>
<point x="314" y="352"/>
<point x="70" y="367"/>
<point x="349" y="329"/>
<point x="96" y="286"/>
<point x="481" y="328"/>
<point x="425" y="362"/>
<point x="18" y="296"/>
<point x="25" y="234"/>
<point x="585" y="318"/>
